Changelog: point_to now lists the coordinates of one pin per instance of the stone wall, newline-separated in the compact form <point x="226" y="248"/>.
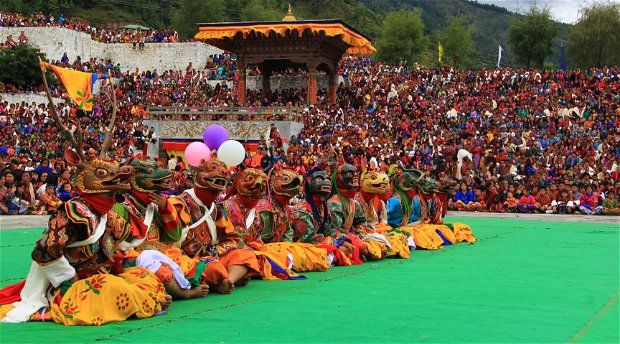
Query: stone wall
<point x="29" y="98"/>
<point x="53" y="42"/>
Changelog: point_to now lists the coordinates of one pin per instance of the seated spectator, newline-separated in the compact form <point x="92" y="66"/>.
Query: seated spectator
<point x="49" y="201"/>
<point x="590" y="202"/>
<point x="563" y="204"/>
<point x="511" y="202"/>
<point x="610" y="204"/>
<point x="464" y="198"/>
<point x="22" y="39"/>
<point x="15" y="204"/>
<point x="3" y="193"/>
<point x="66" y="192"/>
<point x="479" y="203"/>
<point x="544" y="200"/>
<point x="527" y="202"/>
<point x="494" y="200"/>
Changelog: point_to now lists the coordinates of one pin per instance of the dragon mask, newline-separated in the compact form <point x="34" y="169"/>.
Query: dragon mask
<point x="212" y="175"/>
<point x="251" y="183"/>
<point x="98" y="176"/>
<point x="428" y="186"/>
<point x="285" y="181"/>
<point x="347" y="177"/>
<point x="374" y="182"/>
<point x="318" y="183"/>
<point x="149" y="176"/>
<point x="407" y="179"/>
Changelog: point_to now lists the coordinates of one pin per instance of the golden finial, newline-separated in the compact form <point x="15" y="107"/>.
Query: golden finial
<point x="289" y="15"/>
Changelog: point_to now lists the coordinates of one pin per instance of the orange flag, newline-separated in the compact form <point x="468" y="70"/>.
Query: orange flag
<point x="79" y="85"/>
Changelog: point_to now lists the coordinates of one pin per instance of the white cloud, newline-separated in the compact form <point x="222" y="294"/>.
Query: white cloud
<point x="566" y="11"/>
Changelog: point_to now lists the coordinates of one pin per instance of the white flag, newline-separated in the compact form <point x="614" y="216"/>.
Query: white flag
<point x="499" y="55"/>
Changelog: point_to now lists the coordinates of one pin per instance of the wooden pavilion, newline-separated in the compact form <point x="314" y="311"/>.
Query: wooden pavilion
<point x="275" y="46"/>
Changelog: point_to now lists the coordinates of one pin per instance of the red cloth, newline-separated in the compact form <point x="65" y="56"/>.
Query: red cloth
<point x="348" y="193"/>
<point x="338" y="256"/>
<point x="358" y="244"/>
<point x="11" y="293"/>
<point x="102" y="205"/>
<point x="206" y="196"/>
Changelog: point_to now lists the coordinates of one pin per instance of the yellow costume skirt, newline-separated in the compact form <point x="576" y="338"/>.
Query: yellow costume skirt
<point x="424" y="236"/>
<point x="105" y="298"/>
<point x="398" y="246"/>
<point x="462" y="232"/>
<point x="305" y="257"/>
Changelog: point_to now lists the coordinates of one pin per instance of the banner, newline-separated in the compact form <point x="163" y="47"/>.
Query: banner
<point x="440" y="51"/>
<point x="499" y="56"/>
<point x="563" y="56"/>
<point x="79" y="85"/>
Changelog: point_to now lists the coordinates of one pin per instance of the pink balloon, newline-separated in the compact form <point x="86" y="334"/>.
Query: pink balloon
<point x="195" y="152"/>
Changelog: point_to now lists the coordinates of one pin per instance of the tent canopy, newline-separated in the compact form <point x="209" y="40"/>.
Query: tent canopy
<point x="136" y="27"/>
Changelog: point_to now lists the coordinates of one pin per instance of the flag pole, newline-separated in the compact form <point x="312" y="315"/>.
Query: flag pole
<point x="77" y="143"/>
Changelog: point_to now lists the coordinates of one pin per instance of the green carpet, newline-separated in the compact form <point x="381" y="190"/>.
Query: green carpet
<point x="524" y="281"/>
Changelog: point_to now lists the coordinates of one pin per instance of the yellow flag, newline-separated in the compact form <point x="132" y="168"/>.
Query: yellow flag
<point x="79" y="85"/>
<point x="440" y="51"/>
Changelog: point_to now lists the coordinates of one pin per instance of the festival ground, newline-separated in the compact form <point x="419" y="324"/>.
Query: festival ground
<point x="523" y="281"/>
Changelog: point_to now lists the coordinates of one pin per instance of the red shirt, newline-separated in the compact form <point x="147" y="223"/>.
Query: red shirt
<point x="527" y="200"/>
<point x="591" y="200"/>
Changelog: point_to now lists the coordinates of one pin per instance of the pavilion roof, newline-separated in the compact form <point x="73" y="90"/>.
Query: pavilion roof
<point x="217" y="34"/>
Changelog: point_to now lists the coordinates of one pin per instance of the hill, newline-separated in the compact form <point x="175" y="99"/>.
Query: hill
<point x="490" y="22"/>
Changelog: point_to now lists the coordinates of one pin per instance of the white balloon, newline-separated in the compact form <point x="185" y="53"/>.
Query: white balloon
<point x="231" y="153"/>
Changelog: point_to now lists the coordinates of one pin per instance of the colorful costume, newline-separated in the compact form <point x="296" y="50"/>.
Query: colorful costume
<point x="208" y="235"/>
<point x="150" y="224"/>
<point x="435" y="196"/>
<point x="240" y="205"/>
<point x="154" y="227"/>
<point x="312" y="221"/>
<point x="426" y="218"/>
<point x="405" y="209"/>
<point x="375" y="183"/>
<point x="347" y="214"/>
<point x="276" y="217"/>
<point x="77" y="254"/>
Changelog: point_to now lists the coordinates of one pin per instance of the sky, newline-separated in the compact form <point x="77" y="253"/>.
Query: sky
<point x="566" y="11"/>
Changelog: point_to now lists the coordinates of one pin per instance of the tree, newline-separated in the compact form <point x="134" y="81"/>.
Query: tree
<point x="595" y="39"/>
<point x="261" y="10"/>
<point x="20" y="66"/>
<point x="12" y="6"/>
<point x="531" y="36"/>
<point x="456" y="42"/>
<point x="402" y="37"/>
<point x="192" y="12"/>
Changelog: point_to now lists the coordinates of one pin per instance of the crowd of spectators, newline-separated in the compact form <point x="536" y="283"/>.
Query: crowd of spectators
<point x="12" y="43"/>
<point x="105" y="35"/>
<point x="515" y="139"/>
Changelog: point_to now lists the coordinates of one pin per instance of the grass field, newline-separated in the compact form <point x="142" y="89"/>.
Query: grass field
<point x="523" y="281"/>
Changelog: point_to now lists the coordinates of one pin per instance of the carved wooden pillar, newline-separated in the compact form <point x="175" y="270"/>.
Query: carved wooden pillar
<point x="312" y="65"/>
<point x="333" y="83"/>
<point x="266" y="72"/>
<point x="241" y="82"/>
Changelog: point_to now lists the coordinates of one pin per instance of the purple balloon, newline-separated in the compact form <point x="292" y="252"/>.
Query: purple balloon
<point x="214" y="136"/>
